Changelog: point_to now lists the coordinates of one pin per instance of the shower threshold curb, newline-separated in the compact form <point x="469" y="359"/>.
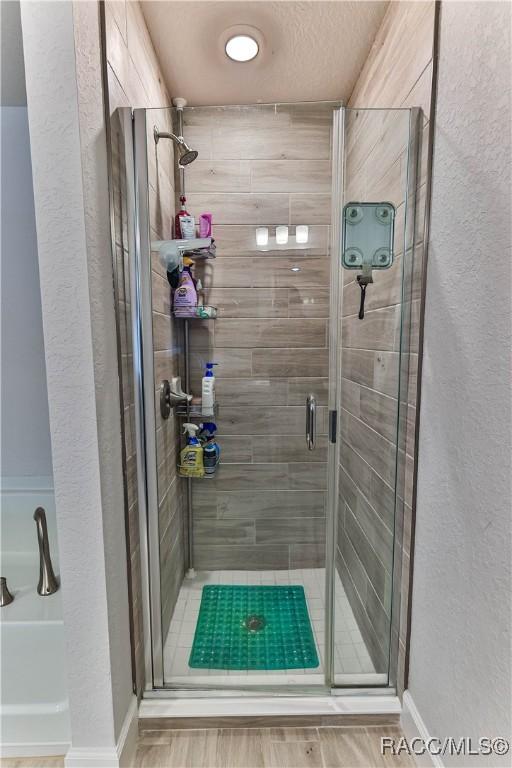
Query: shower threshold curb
<point x="177" y="712"/>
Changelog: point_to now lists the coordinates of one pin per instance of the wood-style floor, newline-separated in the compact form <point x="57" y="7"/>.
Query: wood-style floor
<point x="323" y="747"/>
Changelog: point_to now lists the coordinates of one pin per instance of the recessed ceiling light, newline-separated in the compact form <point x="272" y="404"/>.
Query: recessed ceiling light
<point x="242" y="48"/>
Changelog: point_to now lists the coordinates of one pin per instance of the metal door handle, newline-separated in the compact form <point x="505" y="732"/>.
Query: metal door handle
<point x="310" y="422"/>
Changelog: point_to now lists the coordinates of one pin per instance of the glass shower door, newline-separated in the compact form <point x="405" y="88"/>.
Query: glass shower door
<point x="378" y="180"/>
<point x="239" y="556"/>
<point x="275" y="571"/>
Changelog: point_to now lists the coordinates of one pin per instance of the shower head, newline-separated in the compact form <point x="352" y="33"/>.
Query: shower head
<point x="186" y="155"/>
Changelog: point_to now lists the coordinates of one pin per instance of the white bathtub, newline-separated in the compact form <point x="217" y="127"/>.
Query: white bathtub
<point x="33" y="703"/>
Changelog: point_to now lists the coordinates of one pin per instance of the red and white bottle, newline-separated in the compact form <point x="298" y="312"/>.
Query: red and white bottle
<point x="177" y="224"/>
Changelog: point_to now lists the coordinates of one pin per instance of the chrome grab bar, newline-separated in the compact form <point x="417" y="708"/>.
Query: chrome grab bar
<point x="311" y="422"/>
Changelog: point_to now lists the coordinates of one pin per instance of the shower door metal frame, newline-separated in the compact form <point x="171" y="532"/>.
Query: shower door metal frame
<point x="409" y="245"/>
<point x="334" y="385"/>
<point x="139" y="238"/>
<point x="138" y="219"/>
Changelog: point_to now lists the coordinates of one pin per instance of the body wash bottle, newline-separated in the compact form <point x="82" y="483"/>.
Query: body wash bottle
<point x="208" y="391"/>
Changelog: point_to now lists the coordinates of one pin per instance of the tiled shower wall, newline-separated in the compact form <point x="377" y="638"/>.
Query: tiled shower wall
<point x="263" y="166"/>
<point x="376" y="167"/>
<point x="134" y="80"/>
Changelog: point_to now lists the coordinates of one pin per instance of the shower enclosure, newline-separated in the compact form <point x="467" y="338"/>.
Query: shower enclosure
<point x="281" y="571"/>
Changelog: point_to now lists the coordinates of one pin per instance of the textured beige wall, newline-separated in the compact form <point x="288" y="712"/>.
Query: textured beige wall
<point x="397" y="73"/>
<point x="462" y="611"/>
<point x="266" y="506"/>
<point x="69" y="163"/>
<point x="135" y="80"/>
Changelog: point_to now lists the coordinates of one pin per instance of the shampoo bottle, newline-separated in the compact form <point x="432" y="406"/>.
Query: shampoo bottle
<point x="208" y="391"/>
<point x="177" y="223"/>
<point x="191" y="457"/>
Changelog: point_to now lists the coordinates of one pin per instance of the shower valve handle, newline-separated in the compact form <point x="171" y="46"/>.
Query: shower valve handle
<point x="171" y="395"/>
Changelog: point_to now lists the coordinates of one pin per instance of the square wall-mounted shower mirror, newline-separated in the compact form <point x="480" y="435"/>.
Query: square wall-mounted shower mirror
<point x="368" y="235"/>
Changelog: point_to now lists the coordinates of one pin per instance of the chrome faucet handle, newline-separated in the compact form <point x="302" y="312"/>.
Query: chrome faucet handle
<point x="5" y="595"/>
<point x="48" y="583"/>
<point x="172" y="394"/>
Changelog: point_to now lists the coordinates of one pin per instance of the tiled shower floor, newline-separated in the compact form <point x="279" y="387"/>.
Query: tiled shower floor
<point x="352" y="661"/>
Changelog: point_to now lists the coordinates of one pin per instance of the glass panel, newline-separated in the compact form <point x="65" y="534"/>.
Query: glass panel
<point x="257" y="544"/>
<point x="237" y="556"/>
<point x="376" y="164"/>
<point x="122" y="208"/>
<point x="167" y="528"/>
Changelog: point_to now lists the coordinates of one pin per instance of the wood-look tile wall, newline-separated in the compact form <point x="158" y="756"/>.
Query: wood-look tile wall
<point x="266" y="506"/>
<point x="397" y="73"/>
<point x="135" y="80"/>
<point x="168" y="362"/>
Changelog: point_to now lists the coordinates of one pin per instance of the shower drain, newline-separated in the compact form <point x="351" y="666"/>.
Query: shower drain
<point x="254" y="623"/>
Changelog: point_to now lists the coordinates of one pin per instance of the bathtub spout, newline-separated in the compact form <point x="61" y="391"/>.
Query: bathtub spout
<point x="48" y="583"/>
<point x="5" y="596"/>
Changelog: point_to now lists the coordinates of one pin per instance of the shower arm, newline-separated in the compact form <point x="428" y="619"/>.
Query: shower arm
<point x="163" y="135"/>
<point x="179" y="141"/>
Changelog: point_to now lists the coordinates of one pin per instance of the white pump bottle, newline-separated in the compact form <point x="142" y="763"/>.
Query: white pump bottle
<point x="208" y="391"/>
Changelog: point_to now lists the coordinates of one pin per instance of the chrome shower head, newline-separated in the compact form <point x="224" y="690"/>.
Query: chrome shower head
<point x="186" y="155"/>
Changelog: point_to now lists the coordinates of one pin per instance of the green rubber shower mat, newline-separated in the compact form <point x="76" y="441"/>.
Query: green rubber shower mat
<point x="260" y="627"/>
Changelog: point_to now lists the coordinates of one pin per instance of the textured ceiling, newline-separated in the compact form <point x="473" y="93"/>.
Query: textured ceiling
<point x="312" y="50"/>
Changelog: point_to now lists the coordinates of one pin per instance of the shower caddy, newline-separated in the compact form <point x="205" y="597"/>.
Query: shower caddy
<point x="196" y="249"/>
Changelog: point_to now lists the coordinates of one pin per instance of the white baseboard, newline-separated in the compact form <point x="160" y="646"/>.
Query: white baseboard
<point x="120" y="756"/>
<point x="91" y="757"/>
<point x="34" y="749"/>
<point x="414" y="728"/>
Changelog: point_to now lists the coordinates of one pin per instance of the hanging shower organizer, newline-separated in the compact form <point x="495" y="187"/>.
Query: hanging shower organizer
<point x="171" y="254"/>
